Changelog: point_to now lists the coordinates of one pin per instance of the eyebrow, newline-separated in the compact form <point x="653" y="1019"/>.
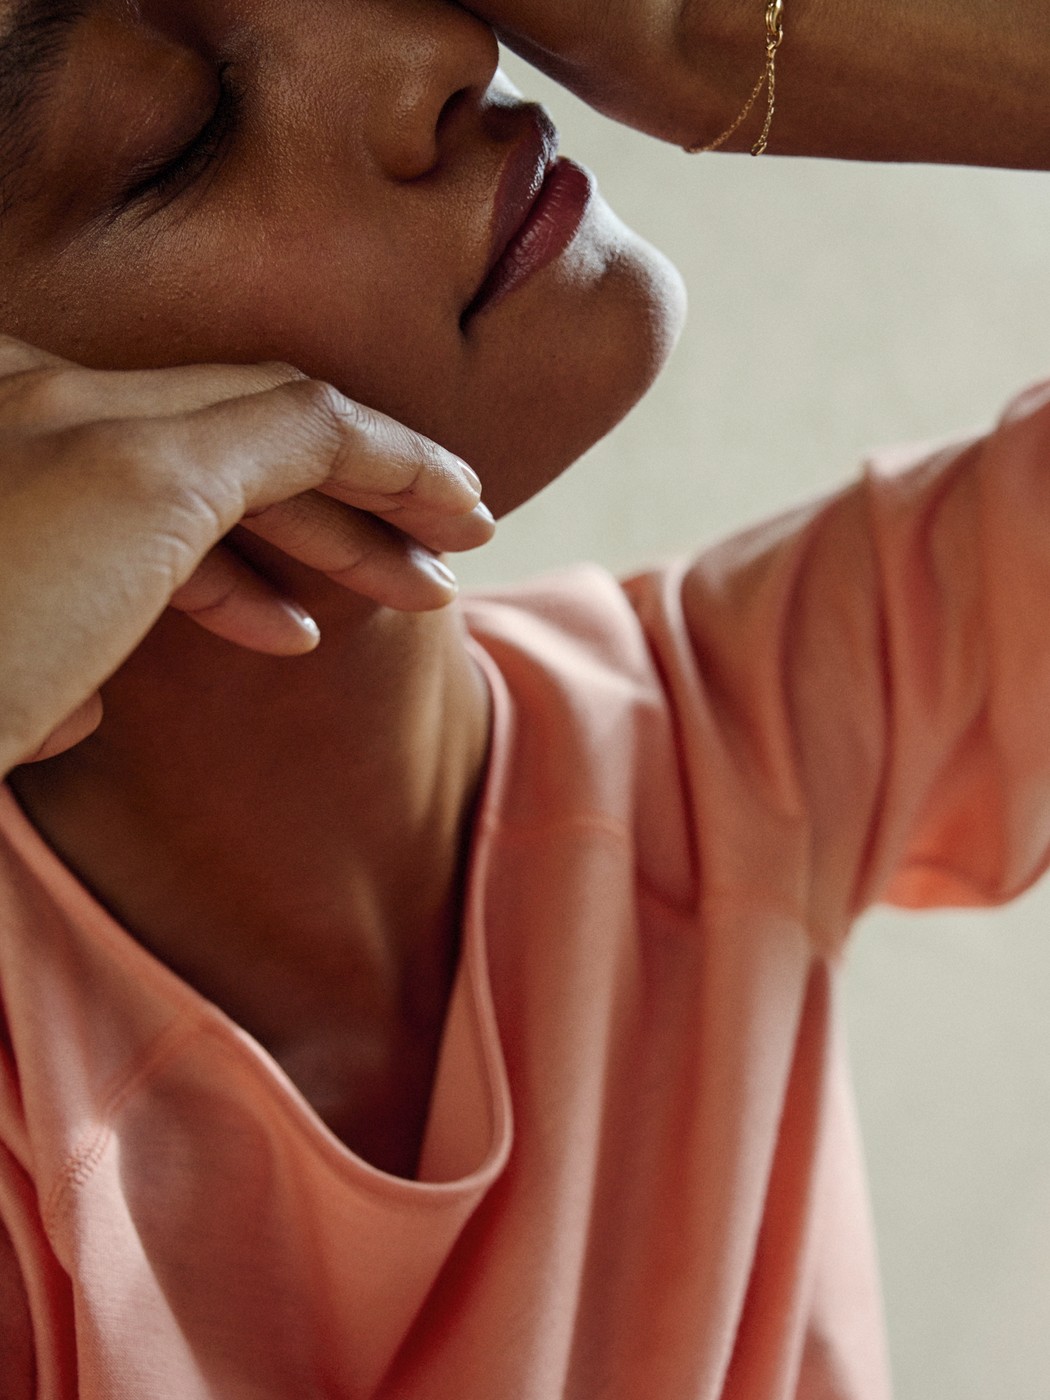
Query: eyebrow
<point x="32" y="50"/>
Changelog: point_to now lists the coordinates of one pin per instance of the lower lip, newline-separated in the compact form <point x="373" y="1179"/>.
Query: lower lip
<point x="552" y="223"/>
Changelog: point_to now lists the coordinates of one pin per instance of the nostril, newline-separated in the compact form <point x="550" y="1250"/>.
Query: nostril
<point x="453" y="106"/>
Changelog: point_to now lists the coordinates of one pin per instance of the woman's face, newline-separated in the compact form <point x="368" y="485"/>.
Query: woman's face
<point x="361" y="163"/>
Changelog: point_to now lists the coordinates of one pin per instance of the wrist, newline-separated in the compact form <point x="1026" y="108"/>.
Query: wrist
<point x="721" y="49"/>
<point x="946" y="81"/>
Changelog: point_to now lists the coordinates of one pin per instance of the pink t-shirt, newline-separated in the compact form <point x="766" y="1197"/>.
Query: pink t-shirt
<point x="640" y="1174"/>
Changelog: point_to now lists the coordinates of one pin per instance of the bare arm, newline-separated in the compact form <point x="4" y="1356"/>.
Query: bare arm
<point x="946" y="81"/>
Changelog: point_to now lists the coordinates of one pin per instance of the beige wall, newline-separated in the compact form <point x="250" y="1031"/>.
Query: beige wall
<point x="833" y="309"/>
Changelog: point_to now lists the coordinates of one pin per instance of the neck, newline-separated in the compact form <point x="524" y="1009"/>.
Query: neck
<point x="287" y="835"/>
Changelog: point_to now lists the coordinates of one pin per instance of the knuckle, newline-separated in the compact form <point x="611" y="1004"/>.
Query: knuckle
<point x="322" y="401"/>
<point x="335" y="420"/>
<point x="427" y="458"/>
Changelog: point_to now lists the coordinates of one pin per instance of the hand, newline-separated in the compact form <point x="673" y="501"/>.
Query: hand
<point x="116" y="489"/>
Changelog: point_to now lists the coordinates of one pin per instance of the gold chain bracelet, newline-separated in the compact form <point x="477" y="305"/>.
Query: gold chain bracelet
<point x="768" y="80"/>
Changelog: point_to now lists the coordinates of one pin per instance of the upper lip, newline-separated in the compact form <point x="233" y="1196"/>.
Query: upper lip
<point x="520" y="182"/>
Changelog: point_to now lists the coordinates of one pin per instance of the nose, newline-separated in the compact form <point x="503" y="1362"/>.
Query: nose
<point x="394" y="73"/>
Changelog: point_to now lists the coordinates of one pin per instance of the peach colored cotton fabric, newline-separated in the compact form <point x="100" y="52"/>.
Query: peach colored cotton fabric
<point x="641" y="1174"/>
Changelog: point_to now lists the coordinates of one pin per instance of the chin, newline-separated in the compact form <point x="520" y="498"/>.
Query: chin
<point x="618" y="309"/>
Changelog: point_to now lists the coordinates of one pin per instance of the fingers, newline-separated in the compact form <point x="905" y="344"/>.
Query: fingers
<point x="38" y="390"/>
<point x="304" y="435"/>
<point x="227" y="597"/>
<point x="305" y="517"/>
<point x="266" y="411"/>
<point x="118" y="489"/>
<point x="358" y="551"/>
<point x="373" y="461"/>
<point x="339" y="487"/>
<point x="286" y="463"/>
<point x="384" y="463"/>
<point x="150" y="393"/>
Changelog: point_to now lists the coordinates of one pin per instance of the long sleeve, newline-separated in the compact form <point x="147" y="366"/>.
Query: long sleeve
<point x="876" y="668"/>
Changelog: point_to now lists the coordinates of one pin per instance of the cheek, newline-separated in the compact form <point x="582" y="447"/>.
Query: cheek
<point x="350" y="303"/>
<point x="564" y="359"/>
<point x="540" y="378"/>
<point x="322" y="295"/>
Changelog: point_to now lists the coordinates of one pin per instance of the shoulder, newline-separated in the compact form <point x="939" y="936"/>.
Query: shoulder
<point x="579" y="612"/>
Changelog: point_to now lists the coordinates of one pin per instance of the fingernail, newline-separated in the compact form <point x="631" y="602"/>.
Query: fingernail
<point x="482" y="511"/>
<point x="469" y="475"/>
<point x="430" y="564"/>
<point x="304" y="620"/>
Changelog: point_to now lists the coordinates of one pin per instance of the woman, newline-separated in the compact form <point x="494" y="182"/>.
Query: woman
<point x="447" y="1010"/>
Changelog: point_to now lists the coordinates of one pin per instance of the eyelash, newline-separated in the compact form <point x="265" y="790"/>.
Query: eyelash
<point x="171" y="175"/>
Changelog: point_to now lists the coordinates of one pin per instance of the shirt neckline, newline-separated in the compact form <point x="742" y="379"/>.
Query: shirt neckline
<point x="470" y="1020"/>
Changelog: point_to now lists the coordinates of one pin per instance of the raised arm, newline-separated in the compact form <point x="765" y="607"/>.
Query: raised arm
<point x="866" y="686"/>
<point x="946" y="81"/>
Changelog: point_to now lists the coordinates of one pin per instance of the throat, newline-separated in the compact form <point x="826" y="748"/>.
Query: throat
<point x="294" y="844"/>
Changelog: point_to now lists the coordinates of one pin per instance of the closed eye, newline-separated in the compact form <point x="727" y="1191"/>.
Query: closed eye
<point x="167" y="177"/>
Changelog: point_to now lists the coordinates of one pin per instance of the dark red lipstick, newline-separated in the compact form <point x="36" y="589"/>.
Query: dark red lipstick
<point x="539" y="206"/>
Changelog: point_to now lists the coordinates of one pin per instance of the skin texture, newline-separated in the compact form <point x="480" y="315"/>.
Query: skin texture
<point x="118" y="487"/>
<point x="343" y="226"/>
<point x="950" y="81"/>
<point x="289" y="834"/>
<point x="344" y="229"/>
